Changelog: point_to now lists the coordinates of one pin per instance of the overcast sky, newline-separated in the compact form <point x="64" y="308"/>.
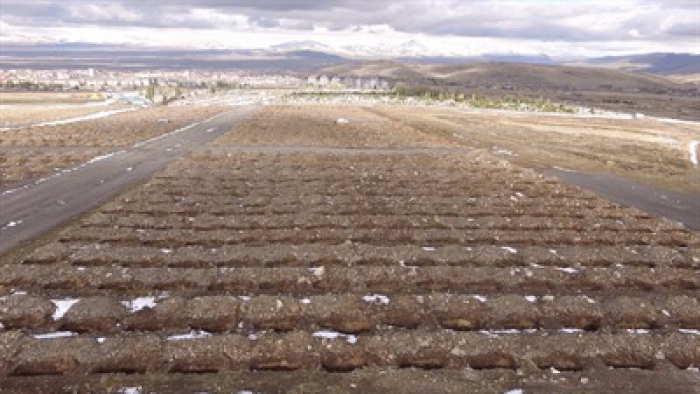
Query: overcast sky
<point x="554" y="27"/>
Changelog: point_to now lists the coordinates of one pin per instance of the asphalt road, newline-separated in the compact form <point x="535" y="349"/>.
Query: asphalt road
<point x="36" y="208"/>
<point x="681" y="207"/>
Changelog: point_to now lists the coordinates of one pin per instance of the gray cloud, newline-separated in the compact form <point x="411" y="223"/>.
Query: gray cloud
<point x="533" y="19"/>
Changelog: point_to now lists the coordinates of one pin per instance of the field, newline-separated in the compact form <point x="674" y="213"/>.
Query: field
<point x="27" y="153"/>
<point x="48" y="98"/>
<point x="647" y="150"/>
<point x="299" y="254"/>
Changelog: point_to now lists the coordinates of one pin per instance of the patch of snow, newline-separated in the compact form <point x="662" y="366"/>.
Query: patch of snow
<point x="305" y="301"/>
<point x="568" y="270"/>
<point x="98" y="115"/>
<point x="515" y="391"/>
<point x="693" y="147"/>
<point x="244" y="298"/>
<point x="570" y="330"/>
<point x="55" y="334"/>
<point x="689" y="331"/>
<point x="329" y="334"/>
<point x="317" y="271"/>
<point x="62" y="306"/>
<point x="130" y="390"/>
<point x="563" y="169"/>
<point x="531" y="298"/>
<point x="194" y="334"/>
<point x="12" y="223"/>
<point x="508" y="331"/>
<point x="377" y="299"/>
<point x="137" y="304"/>
<point x="509" y="249"/>
<point x="637" y="331"/>
<point x="480" y="297"/>
<point x="428" y="248"/>
<point x="342" y="121"/>
<point x="101" y="340"/>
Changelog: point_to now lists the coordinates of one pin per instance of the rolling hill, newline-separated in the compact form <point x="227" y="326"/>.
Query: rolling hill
<point x="509" y="75"/>
<point x="657" y="63"/>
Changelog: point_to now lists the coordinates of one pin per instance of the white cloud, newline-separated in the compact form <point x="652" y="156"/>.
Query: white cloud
<point x="557" y="27"/>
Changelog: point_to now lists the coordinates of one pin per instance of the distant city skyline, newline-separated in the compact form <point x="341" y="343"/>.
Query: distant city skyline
<point x="574" y="28"/>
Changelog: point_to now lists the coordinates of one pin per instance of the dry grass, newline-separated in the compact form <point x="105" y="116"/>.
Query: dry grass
<point x="647" y="150"/>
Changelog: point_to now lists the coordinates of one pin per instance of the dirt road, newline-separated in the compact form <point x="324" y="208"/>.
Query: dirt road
<point x="35" y="208"/>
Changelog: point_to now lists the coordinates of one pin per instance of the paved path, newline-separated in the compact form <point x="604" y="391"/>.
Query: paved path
<point x="681" y="207"/>
<point x="36" y="208"/>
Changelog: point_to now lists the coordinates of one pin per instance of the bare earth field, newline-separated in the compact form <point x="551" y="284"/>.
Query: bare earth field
<point x="27" y="153"/>
<point x="319" y="126"/>
<point x="48" y="98"/>
<point x="647" y="150"/>
<point x="342" y="267"/>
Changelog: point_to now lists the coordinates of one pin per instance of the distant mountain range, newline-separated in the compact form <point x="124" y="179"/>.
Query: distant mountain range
<point x="303" y="56"/>
<point x="656" y="63"/>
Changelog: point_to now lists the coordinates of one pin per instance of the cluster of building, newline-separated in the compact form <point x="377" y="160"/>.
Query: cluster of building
<point x="100" y="80"/>
<point x="325" y="81"/>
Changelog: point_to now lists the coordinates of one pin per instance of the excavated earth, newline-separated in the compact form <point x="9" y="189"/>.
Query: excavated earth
<point x="353" y="270"/>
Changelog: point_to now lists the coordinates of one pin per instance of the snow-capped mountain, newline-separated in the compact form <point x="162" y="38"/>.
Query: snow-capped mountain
<point x="412" y="48"/>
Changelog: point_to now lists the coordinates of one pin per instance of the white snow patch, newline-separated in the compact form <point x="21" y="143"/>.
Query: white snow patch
<point x="62" y="306"/>
<point x="568" y="270"/>
<point x="515" y="391"/>
<point x="428" y="248"/>
<point x="305" y="301"/>
<point x="194" y="334"/>
<point x="480" y="298"/>
<point x="130" y="390"/>
<point x="377" y="299"/>
<point x="137" y="304"/>
<point x="563" y="169"/>
<point x="693" y="147"/>
<point x="509" y="249"/>
<point x="531" y="298"/>
<point x="98" y="115"/>
<point x="508" y="331"/>
<point x="689" y="331"/>
<point x="55" y="334"/>
<point x="12" y="223"/>
<point x="317" y="271"/>
<point x="637" y="331"/>
<point x="342" y="121"/>
<point x="101" y="340"/>
<point x="570" y="330"/>
<point x="329" y="334"/>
